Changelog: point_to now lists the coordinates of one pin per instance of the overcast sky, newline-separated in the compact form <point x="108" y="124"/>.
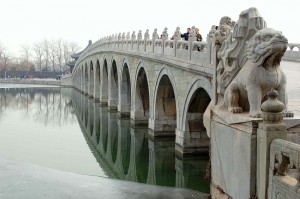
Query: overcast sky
<point x="29" y="21"/>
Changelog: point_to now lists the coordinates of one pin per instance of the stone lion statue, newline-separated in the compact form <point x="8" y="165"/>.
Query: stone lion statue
<point x="259" y="74"/>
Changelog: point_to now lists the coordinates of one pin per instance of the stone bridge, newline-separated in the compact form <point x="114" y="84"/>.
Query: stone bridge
<point x="190" y="90"/>
<point x="153" y="82"/>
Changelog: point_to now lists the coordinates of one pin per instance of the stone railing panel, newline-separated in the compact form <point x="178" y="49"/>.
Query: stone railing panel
<point x="284" y="180"/>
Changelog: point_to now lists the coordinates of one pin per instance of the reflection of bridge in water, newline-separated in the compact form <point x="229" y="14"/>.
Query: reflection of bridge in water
<point x="126" y="153"/>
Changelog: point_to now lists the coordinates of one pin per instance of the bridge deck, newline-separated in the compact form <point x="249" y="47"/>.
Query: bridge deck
<point x="292" y="71"/>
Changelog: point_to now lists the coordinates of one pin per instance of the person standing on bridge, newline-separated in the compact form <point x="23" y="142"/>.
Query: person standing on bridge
<point x="186" y="35"/>
<point x="198" y="37"/>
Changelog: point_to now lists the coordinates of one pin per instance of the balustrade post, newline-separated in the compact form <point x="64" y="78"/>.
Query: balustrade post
<point x="127" y="40"/>
<point x="272" y="127"/>
<point x="139" y="39"/>
<point x="154" y="37"/>
<point x="192" y="37"/>
<point x="176" y="37"/>
<point x="133" y="39"/>
<point x="119" y="40"/>
<point x="164" y="37"/>
<point x="146" y="37"/>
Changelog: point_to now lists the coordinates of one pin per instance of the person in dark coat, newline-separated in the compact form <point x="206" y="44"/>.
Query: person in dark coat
<point x="186" y="35"/>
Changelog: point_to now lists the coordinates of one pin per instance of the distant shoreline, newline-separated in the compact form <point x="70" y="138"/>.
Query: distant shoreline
<point x="48" y="81"/>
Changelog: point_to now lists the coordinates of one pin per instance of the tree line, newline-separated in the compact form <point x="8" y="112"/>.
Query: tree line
<point x="45" y="55"/>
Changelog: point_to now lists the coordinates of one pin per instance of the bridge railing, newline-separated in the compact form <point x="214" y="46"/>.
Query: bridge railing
<point x="292" y="53"/>
<point x="284" y="169"/>
<point x="190" y="50"/>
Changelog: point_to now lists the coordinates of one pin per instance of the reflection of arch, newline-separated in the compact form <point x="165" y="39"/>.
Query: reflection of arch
<point x="125" y="144"/>
<point x="142" y="161"/>
<point x="112" y="135"/>
<point x="104" y="128"/>
<point x="91" y="117"/>
<point x="165" y="105"/>
<point x="142" y="100"/>
<point x="125" y="92"/>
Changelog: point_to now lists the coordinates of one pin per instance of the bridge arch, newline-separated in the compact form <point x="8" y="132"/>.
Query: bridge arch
<point x="141" y="102"/>
<point x="113" y="86"/>
<point x="191" y="136"/>
<point x="97" y="81"/>
<point x="104" y="83"/>
<point x="91" y="79"/>
<point x="86" y="79"/>
<point x="125" y="90"/>
<point x="165" y="104"/>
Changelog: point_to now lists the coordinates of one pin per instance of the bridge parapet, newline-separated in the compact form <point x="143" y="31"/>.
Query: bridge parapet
<point x="191" y="50"/>
<point x="292" y="53"/>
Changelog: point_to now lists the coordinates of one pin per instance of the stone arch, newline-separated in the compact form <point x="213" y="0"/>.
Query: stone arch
<point x="165" y="105"/>
<point x="97" y="81"/>
<point x="196" y="84"/>
<point x="125" y="91"/>
<point x="193" y="137"/>
<point x="86" y="79"/>
<point x="104" y="83"/>
<point x="142" y="99"/>
<point x="113" y="94"/>
<point x="91" y="79"/>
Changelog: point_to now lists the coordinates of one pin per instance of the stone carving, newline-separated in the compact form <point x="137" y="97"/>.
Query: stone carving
<point x="140" y="35"/>
<point x="259" y="74"/>
<point x="128" y="36"/>
<point x="133" y="36"/>
<point x="192" y="34"/>
<point x="154" y="34"/>
<point x="177" y="34"/>
<point x="232" y="53"/>
<point x="165" y="34"/>
<point x="212" y="32"/>
<point x="146" y="35"/>
<point x="222" y="33"/>
<point x="247" y="63"/>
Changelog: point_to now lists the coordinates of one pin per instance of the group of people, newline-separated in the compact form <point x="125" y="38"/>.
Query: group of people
<point x="186" y="35"/>
<point x="197" y="34"/>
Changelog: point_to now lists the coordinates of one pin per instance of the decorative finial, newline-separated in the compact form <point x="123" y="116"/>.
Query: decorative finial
<point x="272" y="108"/>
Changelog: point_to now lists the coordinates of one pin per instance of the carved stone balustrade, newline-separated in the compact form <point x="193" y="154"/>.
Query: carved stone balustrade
<point x="284" y="180"/>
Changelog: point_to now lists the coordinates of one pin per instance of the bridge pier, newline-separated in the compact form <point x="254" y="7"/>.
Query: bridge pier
<point x="191" y="142"/>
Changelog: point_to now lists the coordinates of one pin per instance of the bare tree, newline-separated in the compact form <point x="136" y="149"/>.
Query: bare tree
<point x="73" y="47"/>
<point x="46" y="46"/>
<point x="26" y="57"/>
<point x="53" y="53"/>
<point x="38" y="49"/>
<point x="70" y="48"/>
<point x="67" y="54"/>
<point x="59" y="52"/>
<point x="3" y="58"/>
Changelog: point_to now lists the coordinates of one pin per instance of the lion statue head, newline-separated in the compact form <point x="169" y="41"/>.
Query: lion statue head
<point x="266" y="48"/>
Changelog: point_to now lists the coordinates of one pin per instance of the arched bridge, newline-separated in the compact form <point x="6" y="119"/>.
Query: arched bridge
<point x="165" y="84"/>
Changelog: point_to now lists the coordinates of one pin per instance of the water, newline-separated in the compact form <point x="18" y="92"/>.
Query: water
<point x="62" y="129"/>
